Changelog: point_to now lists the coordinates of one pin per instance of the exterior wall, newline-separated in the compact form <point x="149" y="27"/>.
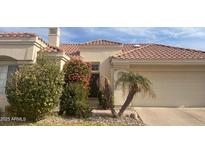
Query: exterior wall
<point x="21" y="50"/>
<point x="100" y="54"/>
<point x="61" y="58"/>
<point x="62" y="63"/>
<point x="174" y="86"/>
<point x="17" y="52"/>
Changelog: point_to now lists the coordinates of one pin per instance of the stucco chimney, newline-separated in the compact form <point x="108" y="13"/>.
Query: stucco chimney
<point x="54" y="36"/>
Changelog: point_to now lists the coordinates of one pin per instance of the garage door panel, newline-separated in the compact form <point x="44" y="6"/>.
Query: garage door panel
<point x="174" y="88"/>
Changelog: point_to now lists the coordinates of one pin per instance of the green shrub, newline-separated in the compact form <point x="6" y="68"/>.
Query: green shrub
<point x="74" y="101"/>
<point x="1" y="112"/>
<point x="103" y="103"/>
<point x="34" y="90"/>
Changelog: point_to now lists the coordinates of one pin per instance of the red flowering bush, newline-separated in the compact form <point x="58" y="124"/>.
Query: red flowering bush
<point x="74" y="100"/>
<point x="77" y="71"/>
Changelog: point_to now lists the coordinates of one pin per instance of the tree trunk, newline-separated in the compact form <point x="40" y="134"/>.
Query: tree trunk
<point x="127" y="102"/>
<point x="114" y="113"/>
<point x="108" y="96"/>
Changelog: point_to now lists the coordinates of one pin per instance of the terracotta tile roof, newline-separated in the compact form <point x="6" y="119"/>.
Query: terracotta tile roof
<point x="73" y="48"/>
<point x="160" y="52"/>
<point x="127" y="47"/>
<point x="101" y="42"/>
<point x="53" y="49"/>
<point x="70" y="48"/>
<point x="140" y="52"/>
<point x="16" y="35"/>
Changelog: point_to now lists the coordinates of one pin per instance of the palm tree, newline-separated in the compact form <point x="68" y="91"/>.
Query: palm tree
<point x="136" y="84"/>
<point x="106" y="88"/>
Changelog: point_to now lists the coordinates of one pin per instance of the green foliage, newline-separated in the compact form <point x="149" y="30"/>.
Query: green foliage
<point x="103" y="102"/>
<point x="1" y="111"/>
<point x="135" y="82"/>
<point x="77" y="71"/>
<point x="34" y="90"/>
<point x="74" y="101"/>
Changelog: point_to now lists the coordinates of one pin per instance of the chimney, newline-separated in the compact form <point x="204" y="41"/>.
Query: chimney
<point x="54" y="36"/>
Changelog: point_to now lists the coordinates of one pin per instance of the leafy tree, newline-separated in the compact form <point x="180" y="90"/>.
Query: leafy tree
<point x="136" y="84"/>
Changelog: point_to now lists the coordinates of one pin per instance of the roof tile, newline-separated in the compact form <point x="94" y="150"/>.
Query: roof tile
<point x="160" y="52"/>
<point x="101" y="42"/>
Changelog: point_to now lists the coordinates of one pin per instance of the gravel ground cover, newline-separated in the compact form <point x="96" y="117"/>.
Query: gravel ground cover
<point x="99" y="118"/>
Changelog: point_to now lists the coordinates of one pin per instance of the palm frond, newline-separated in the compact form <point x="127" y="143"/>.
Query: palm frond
<point x="136" y="81"/>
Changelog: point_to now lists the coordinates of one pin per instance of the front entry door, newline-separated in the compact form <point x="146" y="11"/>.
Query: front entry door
<point x="94" y="85"/>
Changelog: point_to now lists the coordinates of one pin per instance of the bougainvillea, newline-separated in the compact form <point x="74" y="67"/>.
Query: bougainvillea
<point x="77" y="71"/>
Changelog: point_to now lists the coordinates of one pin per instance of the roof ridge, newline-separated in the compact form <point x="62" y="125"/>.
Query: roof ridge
<point x="169" y="46"/>
<point x="130" y="51"/>
<point x="109" y="41"/>
<point x="69" y="44"/>
<point x="98" y="39"/>
<point x="22" y="33"/>
<point x="50" y="47"/>
<point x="17" y="32"/>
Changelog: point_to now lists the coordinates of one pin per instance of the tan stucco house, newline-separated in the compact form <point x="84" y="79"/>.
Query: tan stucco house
<point x="177" y="74"/>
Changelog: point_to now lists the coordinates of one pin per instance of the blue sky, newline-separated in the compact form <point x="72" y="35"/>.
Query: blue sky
<point x="177" y="36"/>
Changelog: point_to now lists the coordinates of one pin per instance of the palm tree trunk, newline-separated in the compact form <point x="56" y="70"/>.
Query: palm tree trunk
<point x="114" y="113"/>
<point x="108" y="96"/>
<point x="127" y="102"/>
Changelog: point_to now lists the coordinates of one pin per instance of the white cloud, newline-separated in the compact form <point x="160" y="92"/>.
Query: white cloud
<point x="137" y="31"/>
<point x="183" y="32"/>
<point x="179" y="36"/>
<point x="154" y="33"/>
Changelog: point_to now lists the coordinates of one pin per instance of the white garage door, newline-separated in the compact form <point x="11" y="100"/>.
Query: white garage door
<point x="174" y="86"/>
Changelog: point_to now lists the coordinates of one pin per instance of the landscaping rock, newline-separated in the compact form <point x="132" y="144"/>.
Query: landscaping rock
<point x="132" y="115"/>
<point x="98" y="118"/>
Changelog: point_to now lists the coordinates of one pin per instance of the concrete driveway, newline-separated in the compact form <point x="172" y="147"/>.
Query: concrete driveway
<point x="153" y="116"/>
